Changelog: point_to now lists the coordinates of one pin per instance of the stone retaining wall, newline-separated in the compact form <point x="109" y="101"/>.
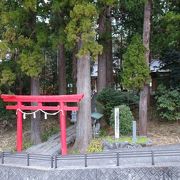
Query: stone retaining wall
<point x="110" y="173"/>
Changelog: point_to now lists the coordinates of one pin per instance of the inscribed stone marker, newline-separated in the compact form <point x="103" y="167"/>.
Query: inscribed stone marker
<point x="116" y="120"/>
<point x="134" y="132"/>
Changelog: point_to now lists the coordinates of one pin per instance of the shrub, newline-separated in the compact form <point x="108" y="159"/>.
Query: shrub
<point x="135" y="69"/>
<point x="95" y="146"/>
<point x="109" y="98"/>
<point x="27" y="144"/>
<point x="168" y="103"/>
<point x="126" y="118"/>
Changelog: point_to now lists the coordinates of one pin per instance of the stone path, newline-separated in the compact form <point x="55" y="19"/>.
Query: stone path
<point x="53" y="145"/>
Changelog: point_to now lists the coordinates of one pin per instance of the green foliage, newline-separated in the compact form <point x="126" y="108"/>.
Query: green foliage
<point x="81" y="29"/>
<point x="172" y="28"/>
<point x="135" y="70"/>
<point x="4" y="114"/>
<point x="171" y="62"/>
<point x="59" y="6"/>
<point x="30" y="5"/>
<point x="25" y="42"/>
<point x="7" y="77"/>
<point x="9" y="35"/>
<point x="31" y="63"/>
<point x="101" y="4"/>
<point x="23" y="35"/>
<point x="3" y="50"/>
<point x="95" y="146"/>
<point x="42" y="35"/>
<point x="58" y="20"/>
<point x="166" y="32"/>
<point x="168" y="103"/>
<point x="132" y="4"/>
<point x="110" y="98"/>
<point x="126" y="118"/>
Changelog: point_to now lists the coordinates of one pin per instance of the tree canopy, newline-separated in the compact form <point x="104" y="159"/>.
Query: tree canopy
<point x="135" y="70"/>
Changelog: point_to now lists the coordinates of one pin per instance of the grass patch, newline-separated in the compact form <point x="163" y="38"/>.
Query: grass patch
<point x="96" y="144"/>
<point x="140" y="140"/>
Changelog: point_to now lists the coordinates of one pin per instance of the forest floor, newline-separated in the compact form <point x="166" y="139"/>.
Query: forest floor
<point x="160" y="133"/>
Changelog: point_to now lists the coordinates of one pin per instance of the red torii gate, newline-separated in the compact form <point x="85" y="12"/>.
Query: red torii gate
<point x="61" y="107"/>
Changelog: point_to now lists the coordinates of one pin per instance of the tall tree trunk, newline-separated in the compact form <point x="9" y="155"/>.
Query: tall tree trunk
<point x="143" y="103"/>
<point x="101" y="81"/>
<point x="35" y="122"/>
<point x="19" y="84"/>
<point x="84" y="128"/>
<point x="61" y="70"/>
<point x="109" y="59"/>
<point x="74" y="73"/>
<point x="121" y="59"/>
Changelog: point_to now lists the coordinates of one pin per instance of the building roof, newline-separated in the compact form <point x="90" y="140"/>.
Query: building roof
<point x="156" y="66"/>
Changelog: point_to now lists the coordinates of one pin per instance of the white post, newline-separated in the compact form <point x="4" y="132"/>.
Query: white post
<point x="116" y="122"/>
<point x="134" y="132"/>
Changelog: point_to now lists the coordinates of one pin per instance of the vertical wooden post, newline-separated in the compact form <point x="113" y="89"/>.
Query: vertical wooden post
<point x="63" y="129"/>
<point x="19" y="129"/>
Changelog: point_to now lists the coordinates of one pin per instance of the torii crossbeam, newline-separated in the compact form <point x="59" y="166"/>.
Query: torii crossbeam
<point x="62" y="100"/>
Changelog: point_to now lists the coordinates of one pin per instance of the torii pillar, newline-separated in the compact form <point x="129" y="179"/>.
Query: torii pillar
<point x="62" y="100"/>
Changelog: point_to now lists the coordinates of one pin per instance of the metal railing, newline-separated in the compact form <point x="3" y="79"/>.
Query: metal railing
<point x="116" y="155"/>
<point x="27" y="157"/>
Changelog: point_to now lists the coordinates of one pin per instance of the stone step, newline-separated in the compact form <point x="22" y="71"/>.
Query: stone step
<point x="53" y="145"/>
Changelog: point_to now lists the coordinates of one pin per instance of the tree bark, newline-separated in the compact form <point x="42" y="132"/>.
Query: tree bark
<point x="83" y="128"/>
<point x="109" y="59"/>
<point x="74" y="73"/>
<point x="143" y="111"/>
<point x="19" y="85"/>
<point x="143" y="103"/>
<point x="61" y="70"/>
<point x="35" y="122"/>
<point x="101" y="81"/>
